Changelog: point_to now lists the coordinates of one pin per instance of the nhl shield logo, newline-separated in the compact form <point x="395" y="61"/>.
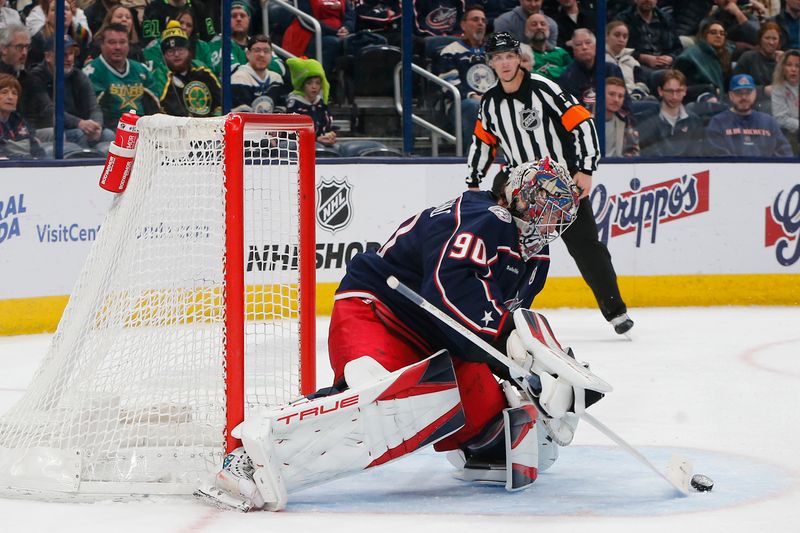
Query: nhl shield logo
<point x="529" y="119"/>
<point x="334" y="210"/>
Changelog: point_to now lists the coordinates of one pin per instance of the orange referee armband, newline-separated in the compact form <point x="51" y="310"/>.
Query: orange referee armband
<point x="574" y="116"/>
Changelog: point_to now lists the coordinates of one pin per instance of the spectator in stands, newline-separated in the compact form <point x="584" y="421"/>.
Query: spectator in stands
<point x="687" y="16"/>
<point x="119" y="83"/>
<point x="707" y="64"/>
<point x="37" y="18"/>
<point x="337" y="20"/>
<point x="381" y="17"/>
<point x="619" y="54"/>
<point x="310" y="97"/>
<point x="202" y="51"/>
<point x="515" y="22"/>
<point x="549" y="61"/>
<point x="241" y="17"/>
<point x="119" y="14"/>
<point x="463" y="63"/>
<point x="579" y="78"/>
<point x="240" y="34"/>
<point x="17" y="140"/>
<point x="741" y="27"/>
<point x="773" y="7"/>
<point x="622" y="138"/>
<point x="570" y="16"/>
<point x="526" y="57"/>
<point x="79" y="33"/>
<point x="83" y="119"/>
<point x="96" y="12"/>
<point x="615" y="7"/>
<point x="254" y="87"/>
<point x="761" y="61"/>
<point x="789" y="21"/>
<point x="8" y="15"/>
<point x="190" y="91"/>
<point x="159" y="12"/>
<point x="15" y="43"/>
<point x="652" y="37"/>
<point x="742" y="131"/>
<point x="785" y="90"/>
<point x="674" y="131"/>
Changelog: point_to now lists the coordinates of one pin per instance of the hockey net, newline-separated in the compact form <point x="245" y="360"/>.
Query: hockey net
<point x="196" y="303"/>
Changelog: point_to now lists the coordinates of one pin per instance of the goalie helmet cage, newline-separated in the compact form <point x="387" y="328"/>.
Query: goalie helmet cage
<point x="195" y="304"/>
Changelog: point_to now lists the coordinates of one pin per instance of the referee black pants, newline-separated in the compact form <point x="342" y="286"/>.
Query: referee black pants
<point x="594" y="261"/>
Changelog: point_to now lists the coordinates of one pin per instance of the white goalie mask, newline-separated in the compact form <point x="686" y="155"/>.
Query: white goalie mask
<point x="544" y="201"/>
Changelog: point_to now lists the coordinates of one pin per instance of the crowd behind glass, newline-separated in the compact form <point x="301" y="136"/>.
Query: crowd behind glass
<point x="682" y="77"/>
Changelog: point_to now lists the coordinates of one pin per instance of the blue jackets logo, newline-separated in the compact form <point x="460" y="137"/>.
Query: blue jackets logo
<point x="782" y="226"/>
<point x="334" y="206"/>
<point x="10" y="208"/>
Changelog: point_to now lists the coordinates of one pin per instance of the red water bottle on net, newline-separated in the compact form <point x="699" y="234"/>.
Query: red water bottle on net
<point x="121" y="153"/>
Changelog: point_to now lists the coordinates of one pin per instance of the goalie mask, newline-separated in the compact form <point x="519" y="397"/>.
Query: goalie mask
<point x="544" y="201"/>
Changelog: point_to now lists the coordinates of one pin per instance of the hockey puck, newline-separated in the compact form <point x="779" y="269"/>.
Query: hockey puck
<point x="702" y="483"/>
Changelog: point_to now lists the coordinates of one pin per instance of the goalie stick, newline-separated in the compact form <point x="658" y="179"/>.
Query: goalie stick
<point x="679" y="471"/>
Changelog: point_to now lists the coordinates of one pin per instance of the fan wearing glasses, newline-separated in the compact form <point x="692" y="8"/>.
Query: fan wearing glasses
<point x="15" y="42"/>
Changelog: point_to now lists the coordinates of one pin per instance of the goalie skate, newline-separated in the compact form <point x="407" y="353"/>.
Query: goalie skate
<point x="222" y="499"/>
<point x="233" y="486"/>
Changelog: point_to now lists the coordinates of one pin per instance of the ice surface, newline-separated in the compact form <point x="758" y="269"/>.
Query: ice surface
<point x="717" y="385"/>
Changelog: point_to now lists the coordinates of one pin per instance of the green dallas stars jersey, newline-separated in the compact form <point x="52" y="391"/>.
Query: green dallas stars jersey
<point x="118" y="92"/>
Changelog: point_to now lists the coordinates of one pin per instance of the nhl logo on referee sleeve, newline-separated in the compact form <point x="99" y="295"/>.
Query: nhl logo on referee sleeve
<point x="334" y="206"/>
<point x="529" y="118"/>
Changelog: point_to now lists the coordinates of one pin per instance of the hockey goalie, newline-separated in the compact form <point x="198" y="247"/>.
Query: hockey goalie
<point x="404" y="380"/>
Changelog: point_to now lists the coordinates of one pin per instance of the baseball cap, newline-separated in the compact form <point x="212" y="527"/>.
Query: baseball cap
<point x="742" y="81"/>
<point x="50" y="43"/>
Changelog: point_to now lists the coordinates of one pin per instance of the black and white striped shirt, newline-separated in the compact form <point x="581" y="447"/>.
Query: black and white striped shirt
<point x="538" y="120"/>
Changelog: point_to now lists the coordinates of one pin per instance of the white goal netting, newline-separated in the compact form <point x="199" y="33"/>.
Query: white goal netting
<point x="131" y="396"/>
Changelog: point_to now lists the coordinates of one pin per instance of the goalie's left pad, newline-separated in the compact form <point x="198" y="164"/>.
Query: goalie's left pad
<point x="311" y="442"/>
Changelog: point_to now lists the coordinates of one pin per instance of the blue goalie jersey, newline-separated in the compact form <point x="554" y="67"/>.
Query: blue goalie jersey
<point x="462" y="256"/>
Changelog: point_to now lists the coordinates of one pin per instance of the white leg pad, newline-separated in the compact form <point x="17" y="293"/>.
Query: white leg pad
<point x="311" y="442"/>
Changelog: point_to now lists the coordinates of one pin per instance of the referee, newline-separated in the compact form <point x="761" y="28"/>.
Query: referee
<point x="530" y="117"/>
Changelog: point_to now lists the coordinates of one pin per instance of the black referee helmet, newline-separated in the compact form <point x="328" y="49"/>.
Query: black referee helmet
<point x="501" y="42"/>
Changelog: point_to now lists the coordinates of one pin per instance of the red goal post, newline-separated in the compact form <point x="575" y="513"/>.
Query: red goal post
<point x="234" y="163"/>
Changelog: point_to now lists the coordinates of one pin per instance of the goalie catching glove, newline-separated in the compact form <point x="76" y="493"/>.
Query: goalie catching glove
<point x="561" y="387"/>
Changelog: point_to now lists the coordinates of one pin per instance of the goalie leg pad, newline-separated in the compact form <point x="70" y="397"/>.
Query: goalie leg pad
<point x="310" y="442"/>
<point x="522" y="446"/>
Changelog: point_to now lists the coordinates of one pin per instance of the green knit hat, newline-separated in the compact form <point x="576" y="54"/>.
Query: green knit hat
<point x="301" y="69"/>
